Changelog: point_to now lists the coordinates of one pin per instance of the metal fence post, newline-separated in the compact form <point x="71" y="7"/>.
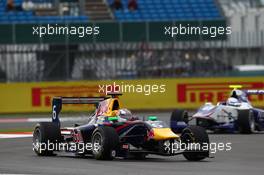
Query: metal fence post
<point x="67" y="65"/>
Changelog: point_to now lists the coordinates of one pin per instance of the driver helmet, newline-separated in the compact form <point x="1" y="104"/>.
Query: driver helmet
<point x="125" y="114"/>
<point x="232" y="101"/>
<point x="236" y="94"/>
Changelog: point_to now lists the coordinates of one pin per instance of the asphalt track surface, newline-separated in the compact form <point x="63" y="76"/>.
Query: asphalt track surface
<point x="245" y="158"/>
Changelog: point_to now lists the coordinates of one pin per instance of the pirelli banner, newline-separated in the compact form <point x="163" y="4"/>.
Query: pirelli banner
<point x="152" y="94"/>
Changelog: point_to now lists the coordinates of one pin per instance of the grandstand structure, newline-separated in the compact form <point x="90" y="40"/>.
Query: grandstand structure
<point x="43" y="11"/>
<point x="23" y="58"/>
<point x="49" y="11"/>
<point x="156" y="10"/>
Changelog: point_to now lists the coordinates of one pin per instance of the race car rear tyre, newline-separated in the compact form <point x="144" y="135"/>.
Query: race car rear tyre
<point x="104" y="143"/>
<point x="246" y="121"/>
<point x="178" y="116"/>
<point x="197" y="135"/>
<point x="45" y="137"/>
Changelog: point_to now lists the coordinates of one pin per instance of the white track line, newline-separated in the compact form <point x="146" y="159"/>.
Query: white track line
<point x="34" y="120"/>
<point x="8" y="136"/>
<point x="64" y="119"/>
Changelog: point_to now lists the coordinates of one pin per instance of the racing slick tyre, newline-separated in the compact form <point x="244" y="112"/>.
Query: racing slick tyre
<point x="195" y="134"/>
<point x="178" y="116"/>
<point x="104" y="142"/>
<point x="45" y="137"/>
<point x="246" y="121"/>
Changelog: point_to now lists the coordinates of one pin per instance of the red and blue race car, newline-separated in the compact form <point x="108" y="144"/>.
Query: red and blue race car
<point x="113" y="131"/>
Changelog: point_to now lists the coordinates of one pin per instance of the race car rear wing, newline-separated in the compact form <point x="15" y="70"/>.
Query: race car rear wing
<point x="81" y="100"/>
<point x="254" y="92"/>
<point x="58" y="101"/>
<point x="247" y="91"/>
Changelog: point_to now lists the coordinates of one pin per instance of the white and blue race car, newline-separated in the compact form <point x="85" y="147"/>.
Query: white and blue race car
<point x="234" y="115"/>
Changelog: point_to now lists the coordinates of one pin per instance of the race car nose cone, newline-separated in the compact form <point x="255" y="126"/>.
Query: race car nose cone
<point x="164" y="134"/>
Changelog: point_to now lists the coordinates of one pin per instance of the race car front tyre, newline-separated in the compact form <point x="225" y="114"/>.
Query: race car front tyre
<point x="45" y="137"/>
<point x="193" y="138"/>
<point x="246" y="121"/>
<point x="104" y="143"/>
<point x="178" y="116"/>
